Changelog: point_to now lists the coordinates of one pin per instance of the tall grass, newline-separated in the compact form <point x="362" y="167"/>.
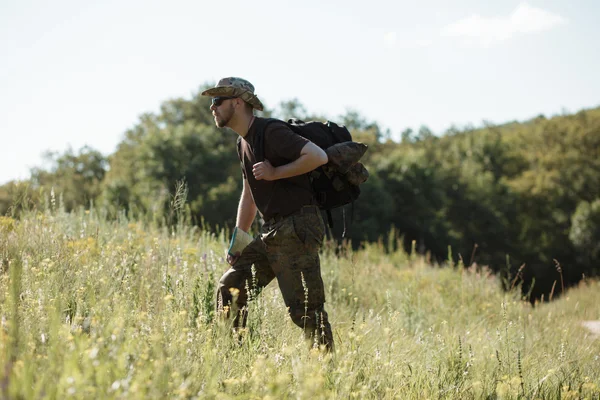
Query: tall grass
<point x="124" y="309"/>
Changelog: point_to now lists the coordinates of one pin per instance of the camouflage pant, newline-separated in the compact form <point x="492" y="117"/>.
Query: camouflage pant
<point x="288" y="250"/>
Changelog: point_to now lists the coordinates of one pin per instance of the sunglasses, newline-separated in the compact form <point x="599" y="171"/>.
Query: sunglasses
<point x="217" y="101"/>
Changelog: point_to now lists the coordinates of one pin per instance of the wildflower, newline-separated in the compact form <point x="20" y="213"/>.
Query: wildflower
<point x="94" y="353"/>
<point x="279" y="359"/>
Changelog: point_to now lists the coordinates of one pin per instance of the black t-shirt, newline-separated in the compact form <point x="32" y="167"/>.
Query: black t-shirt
<point x="281" y="146"/>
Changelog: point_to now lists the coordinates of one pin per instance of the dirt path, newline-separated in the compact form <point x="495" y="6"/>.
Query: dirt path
<point x="593" y="327"/>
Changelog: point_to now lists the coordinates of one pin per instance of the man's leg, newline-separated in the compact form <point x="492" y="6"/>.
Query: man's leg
<point x="313" y="319"/>
<point x="293" y="252"/>
<point x="236" y="282"/>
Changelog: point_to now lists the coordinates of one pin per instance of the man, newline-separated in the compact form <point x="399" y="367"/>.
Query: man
<point x="293" y="230"/>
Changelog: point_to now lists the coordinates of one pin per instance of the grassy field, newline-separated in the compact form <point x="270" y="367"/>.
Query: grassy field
<point x="92" y="308"/>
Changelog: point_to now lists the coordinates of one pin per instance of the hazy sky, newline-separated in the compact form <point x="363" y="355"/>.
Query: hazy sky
<point x="75" y="73"/>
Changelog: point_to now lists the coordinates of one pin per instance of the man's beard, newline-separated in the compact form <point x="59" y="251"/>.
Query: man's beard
<point x="222" y="119"/>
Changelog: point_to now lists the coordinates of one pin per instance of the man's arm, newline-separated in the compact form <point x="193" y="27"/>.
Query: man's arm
<point x="311" y="157"/>
<point x="246" y="208"/>
<point x="245" y="216"/>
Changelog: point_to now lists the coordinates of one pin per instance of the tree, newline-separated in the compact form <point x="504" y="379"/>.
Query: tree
<point x="585" y="235"/>
<point x="292" y="109"/>
<point x="417" y="191"/>
<point x="16" y="196"/>
<point x="180" y="144"/>
<point x="75" y="177"/>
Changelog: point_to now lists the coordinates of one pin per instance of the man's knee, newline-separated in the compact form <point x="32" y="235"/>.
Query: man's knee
<point x="226" y="290"/>
<point x="315" y="323"/>
<point x="306" y="317"/>
<point x="232" y="288"/>
<point x="225" y="282"/>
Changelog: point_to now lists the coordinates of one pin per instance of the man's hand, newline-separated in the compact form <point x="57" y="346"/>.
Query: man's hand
<point x="263" y="170"/>
<point x="232" y="259"/>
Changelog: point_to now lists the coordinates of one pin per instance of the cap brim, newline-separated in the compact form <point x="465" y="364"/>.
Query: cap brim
<point x="220" y="91"/>
<point x="229" y="91"/>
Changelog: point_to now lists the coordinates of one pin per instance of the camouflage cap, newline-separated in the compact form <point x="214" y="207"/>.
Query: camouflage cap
<point x="237" y="87"/>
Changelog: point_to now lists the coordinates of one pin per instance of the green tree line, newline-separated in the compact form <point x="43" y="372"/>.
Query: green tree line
<point x="523" y="198"/>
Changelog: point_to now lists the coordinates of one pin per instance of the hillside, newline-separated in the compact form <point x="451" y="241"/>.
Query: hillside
<point x="522" y="198"/>
<point x="97" y="308"/>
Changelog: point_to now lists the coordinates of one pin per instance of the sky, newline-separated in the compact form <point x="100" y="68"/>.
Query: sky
<point x="77" y="73"/>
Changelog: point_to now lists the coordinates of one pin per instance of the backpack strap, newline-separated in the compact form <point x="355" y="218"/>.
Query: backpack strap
<point x="346" y="226"/>
<point x="259" y="137"/>
<point x="330" y="220"/>
<point x="344" y="219"/>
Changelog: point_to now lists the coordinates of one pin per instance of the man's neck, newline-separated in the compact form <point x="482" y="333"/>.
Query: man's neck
<point x="242" y="125"/>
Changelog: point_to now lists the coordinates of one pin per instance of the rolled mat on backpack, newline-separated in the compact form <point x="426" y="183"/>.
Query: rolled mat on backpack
<point x="344" y="155"/>
<point x="357" y="174"/>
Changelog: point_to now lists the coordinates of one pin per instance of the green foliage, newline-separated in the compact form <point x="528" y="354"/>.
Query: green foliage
<point x="585" y="233"/>
<point x="292" y="109"/>
<point x="180" y="144"/>
<point x="418" y="194"/>
<point x="76" y="177"/>
<point x="15" y="197"/>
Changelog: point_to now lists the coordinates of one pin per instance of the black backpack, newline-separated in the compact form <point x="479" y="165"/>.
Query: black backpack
<point x="336" y="183"/>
